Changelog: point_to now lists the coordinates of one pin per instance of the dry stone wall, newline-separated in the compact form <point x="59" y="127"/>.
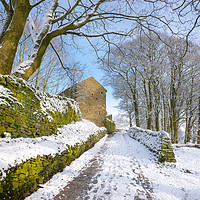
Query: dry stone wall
<point x="24" y="112"/>
<point x="157" y="142"/>
<point x="110" y="124"/>
<point x="24" y="178"/>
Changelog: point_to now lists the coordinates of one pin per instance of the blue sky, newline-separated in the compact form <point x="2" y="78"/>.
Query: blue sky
<point x="88" y="59"/>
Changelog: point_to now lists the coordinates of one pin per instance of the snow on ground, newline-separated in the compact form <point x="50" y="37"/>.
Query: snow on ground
<point x="127" y="170"/>
<point x="21" y="149"/>
<point x="60" y="180"/>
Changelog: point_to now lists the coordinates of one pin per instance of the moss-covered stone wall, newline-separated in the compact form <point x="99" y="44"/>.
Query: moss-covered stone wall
<point x="23" y="179"/>
<point x="110" y="124"/>
<point x="24" y="112"/>
<point x="157" y="142"/>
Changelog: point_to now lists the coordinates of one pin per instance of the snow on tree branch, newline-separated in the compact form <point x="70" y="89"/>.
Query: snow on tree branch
<point x="45" y="28"/>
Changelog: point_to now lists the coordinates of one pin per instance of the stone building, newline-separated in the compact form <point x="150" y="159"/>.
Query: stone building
<point x="91" y="97"/>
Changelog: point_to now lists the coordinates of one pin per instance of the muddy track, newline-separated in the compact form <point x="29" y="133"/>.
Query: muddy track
<point x="78" y="188"/>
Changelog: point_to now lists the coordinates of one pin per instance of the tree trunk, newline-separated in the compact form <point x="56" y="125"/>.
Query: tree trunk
<point x="190" y="119"/>
<point x="156" y="105"/>
<point x="130" y="120"/>
<point x="150" y="108"/>
<point x="175" y="129"/>
<point x="198" y="134"/>
<point x="186" y="128"/>
<point x="12" y="35"/>
<point x="174" y="122"/>
<point x="173" y="107"/>
<point x="157" y="123"/>
<point x="137" y="117"/>
<point x="164" y="111"/>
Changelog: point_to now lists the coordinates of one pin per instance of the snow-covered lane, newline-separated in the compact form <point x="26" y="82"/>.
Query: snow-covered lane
<point x="120" y="168"/>
<point x="121" y="176"/>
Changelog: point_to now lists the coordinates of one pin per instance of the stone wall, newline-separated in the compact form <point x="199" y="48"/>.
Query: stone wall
<point x="24" y="112"/>
<point x="110" y="124"/>
<point x="157" y="142"/>
<point x="24" y="178"/>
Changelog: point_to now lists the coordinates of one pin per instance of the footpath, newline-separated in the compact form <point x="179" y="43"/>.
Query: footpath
<point x="113" y="173"/>
<point x="120" y="168"/>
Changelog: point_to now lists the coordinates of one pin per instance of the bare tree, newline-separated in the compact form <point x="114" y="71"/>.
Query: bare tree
<point x="198" y="132"/>
<point x="121" y="74"/>
<point x="191" y="90"/>
<point x="55" y="74"/>
<point x="165" y="80"/>
<point x="88" y="19"/>
<point x="187" y="12"/>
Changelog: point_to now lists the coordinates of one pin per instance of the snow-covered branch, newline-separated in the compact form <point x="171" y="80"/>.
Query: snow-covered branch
<point x="27" y="64"/>
<point x="47" y="22"/>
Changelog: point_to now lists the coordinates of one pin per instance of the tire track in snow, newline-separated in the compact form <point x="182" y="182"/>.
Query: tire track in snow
<point x="113" y="174"/>
<point x="147" y="188"/>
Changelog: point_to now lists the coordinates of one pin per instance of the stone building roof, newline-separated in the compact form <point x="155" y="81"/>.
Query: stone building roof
<point x="91" y="79"/>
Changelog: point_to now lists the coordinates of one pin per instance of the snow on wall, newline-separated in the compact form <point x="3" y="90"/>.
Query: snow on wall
<point x="27" y="148"/>
<point x="157" y="142"/>
<point x="7" y="94"/>
<point x="27" y="162"/>
<point x="54" y="103"/>
<point x="25" y="112"/>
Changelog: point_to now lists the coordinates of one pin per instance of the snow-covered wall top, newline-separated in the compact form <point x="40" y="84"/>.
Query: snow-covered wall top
<point x="25" y="112"/>
<point x="25" y="163"/>
<point x="27" y="148"/>
<point x="158" y="142"/>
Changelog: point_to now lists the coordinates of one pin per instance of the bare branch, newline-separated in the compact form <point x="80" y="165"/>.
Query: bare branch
<point x="6" y="6"/>
<point x="36" y="4"/>
<point x="96" y="35"/>
<point x="59" y="58"/>
<point x="67" y="13"/>
<point x="187" y="36"/>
